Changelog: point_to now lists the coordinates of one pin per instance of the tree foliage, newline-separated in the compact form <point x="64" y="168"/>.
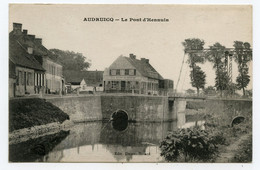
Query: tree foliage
<point x="198" y="78"/>
<point x="70" y="60"/>
<point x="243" y="55"/>
<point x="192" y="46"/>
<point x="216" y="55"/>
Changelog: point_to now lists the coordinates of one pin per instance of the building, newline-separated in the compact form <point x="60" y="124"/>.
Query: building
<point x="166" y="87"/>
<point x="31" y="68"/>
<point x="26" y="74"/>
<point x="54" y="81"/>
<point x="85" y="81"/>
<point x="131" y="75"/>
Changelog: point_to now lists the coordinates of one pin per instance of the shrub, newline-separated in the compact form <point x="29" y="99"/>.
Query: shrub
<point x="190" y="144"/>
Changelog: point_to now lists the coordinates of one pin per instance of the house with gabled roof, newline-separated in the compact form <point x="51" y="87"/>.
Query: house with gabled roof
<point x="26" y="74"/>
<point x="132" y="75"/>
<point x="31" y="68"/>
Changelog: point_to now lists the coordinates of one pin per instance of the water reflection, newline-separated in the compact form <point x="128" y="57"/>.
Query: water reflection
<point x="99" y="142"/>
<point x="35" y="149"/>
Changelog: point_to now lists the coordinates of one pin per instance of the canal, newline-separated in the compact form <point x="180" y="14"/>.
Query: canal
<point x="99" y="142"/>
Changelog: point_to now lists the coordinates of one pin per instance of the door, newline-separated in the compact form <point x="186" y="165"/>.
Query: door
<point x="122" y="85"/>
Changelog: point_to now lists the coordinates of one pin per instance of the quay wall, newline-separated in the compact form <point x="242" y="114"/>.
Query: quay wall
<point x="224" y="109"/>
<point x="138" y="108"/>
<point x="79" y="108"/>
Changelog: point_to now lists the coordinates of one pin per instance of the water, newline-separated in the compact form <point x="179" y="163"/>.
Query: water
<point x="98" y="142"/>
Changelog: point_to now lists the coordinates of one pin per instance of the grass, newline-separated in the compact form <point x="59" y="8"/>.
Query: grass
<point x="24" y="113"/>
<point x="244" y="152"/>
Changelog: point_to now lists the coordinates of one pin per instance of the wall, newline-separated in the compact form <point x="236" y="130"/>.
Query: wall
<point x="20" y="88"/>
<point x="80" y="108"/>
<point x="53" y="75"/>
<point x="139" y="108"/>
<point x="225" y="110"/>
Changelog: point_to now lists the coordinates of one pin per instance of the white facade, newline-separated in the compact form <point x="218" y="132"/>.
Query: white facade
<point x="53" y="76"/>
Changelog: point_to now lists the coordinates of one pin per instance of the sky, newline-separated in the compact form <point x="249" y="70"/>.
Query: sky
<point x="62" y="27"/>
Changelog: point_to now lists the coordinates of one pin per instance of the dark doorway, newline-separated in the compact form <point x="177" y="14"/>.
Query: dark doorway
<point x="123" y="85"/>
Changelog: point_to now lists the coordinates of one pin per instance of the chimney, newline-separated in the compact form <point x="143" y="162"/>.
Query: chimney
<point x="31" y="37"/>
<point x="17" y="28"/>
<point x="132" y="56"/>
<point x="25" y="32"/>
<point x="38" y="40"/>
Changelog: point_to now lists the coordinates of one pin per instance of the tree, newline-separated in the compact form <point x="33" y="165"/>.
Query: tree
<point x="192" y="46"/>
<point x="190" y="91"/>
<point x="210" y="90"/>
<point x="243" y="55"/>
<point x="198" y="78"/>
<point x="70" y="60"/>
<point x="216" y="55"/>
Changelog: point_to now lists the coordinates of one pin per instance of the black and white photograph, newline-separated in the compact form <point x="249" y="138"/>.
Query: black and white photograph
<point x="130" y="83"/>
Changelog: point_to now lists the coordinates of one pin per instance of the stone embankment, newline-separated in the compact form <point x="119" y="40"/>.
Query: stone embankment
<point x="22" y="135"/>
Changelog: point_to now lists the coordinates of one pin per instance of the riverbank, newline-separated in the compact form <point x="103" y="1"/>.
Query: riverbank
<point x="25" y="134"/>
<point x="26" y="113"/>
<point x="33" y="117"/>
<point x="232" y="142"/>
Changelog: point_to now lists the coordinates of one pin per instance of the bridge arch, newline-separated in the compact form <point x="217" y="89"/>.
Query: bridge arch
<point x="237" y="120"/>
<point x="119" y="120"/>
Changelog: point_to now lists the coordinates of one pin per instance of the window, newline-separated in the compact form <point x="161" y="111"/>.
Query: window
<point x="21" y="78"/>
<point x="126" y="71"/>
<point x="137" y="85"/>
<point x="29" y="76"/>
<point x="18" y="80"/>
<point x="131" y="72"/>
<point x="42" y="79"/>
<point x="114" y="84"/>
<point x="113" y="72"/>
<point x="117" y="72"/>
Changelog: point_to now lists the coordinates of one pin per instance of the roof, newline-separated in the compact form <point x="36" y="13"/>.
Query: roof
<point x="92" y="78"/>
<point x="144" y="68"/>
<point x="19" y="56"/>
<point x="26" y="41"/>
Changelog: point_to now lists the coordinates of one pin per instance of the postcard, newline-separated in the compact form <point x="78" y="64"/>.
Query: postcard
<point x="130" y="83"/>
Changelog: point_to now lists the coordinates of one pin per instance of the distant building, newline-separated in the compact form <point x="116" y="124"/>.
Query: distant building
<point x="85" y="81"/>
<point x="130" y="75"/>
<point x="31" y="69"/>
<point x="165" y="87"/>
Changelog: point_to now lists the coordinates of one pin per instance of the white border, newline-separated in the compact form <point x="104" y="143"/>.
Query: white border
<point x="4" y="91"/>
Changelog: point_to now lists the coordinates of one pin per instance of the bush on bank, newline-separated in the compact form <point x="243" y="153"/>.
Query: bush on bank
<point x="24" y="113"/>
<point x="187" y="145"/>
